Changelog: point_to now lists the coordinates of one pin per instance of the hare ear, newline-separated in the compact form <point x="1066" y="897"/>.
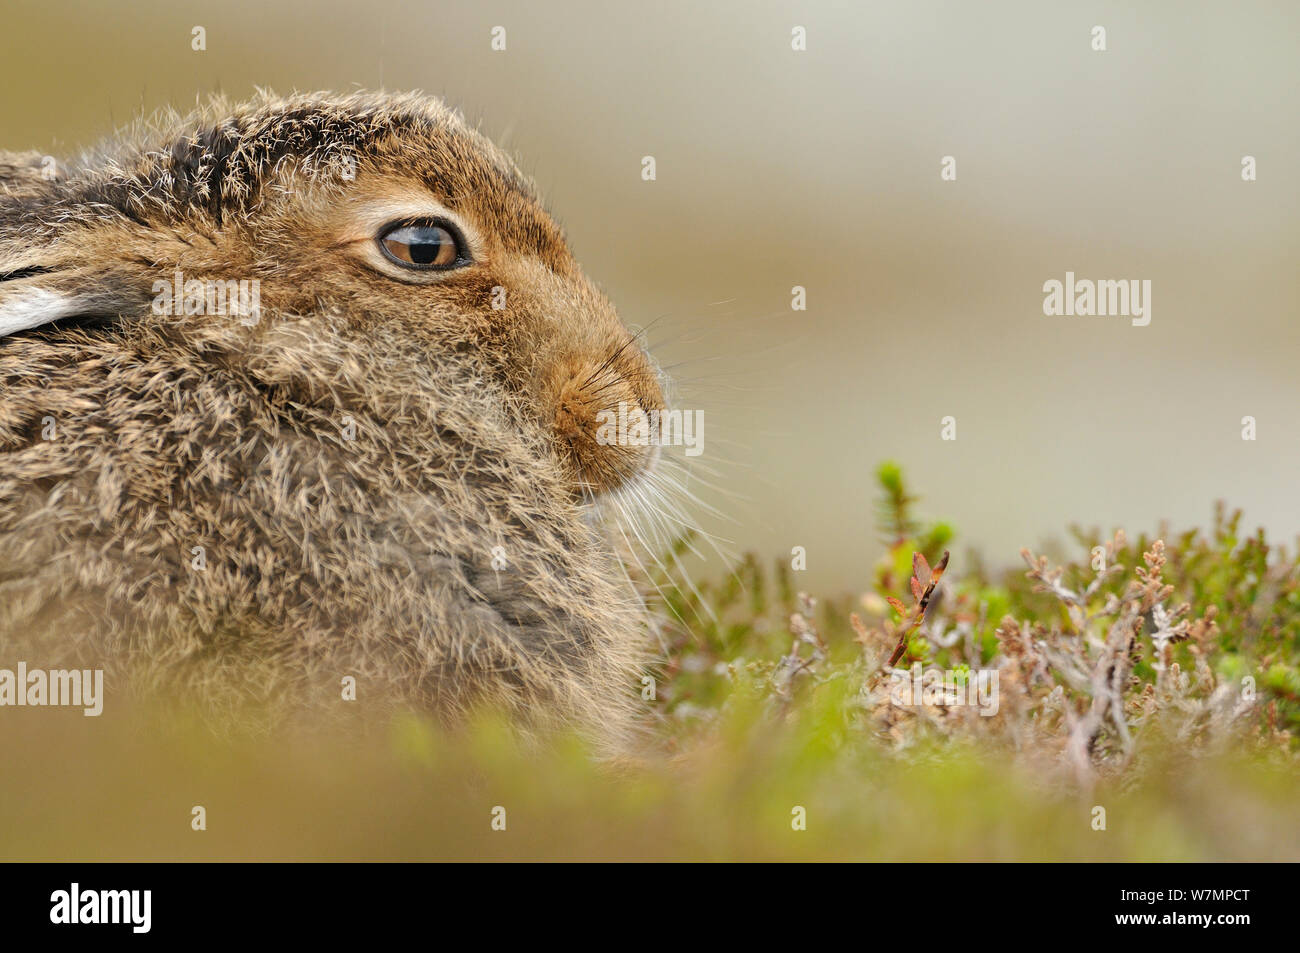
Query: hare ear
<point x="33" y="295"/>
<point x="38" y="286"/>
<point x="21" y="309"/>
<point x="46" y="279"/>
<point x="34" y="288"/>
<point x="26" y="301"/>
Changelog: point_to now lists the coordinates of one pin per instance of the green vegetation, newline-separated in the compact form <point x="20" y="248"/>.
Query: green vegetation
<point x="1198" y="635"/>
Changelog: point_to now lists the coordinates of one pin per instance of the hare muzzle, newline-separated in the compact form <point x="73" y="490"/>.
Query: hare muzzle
<point x="603" y="412"/>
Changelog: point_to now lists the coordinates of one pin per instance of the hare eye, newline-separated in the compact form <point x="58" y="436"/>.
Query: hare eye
<point x="427" y="246"/>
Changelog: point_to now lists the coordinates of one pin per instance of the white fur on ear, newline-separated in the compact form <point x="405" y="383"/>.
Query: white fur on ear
<point x="30" y="308"/>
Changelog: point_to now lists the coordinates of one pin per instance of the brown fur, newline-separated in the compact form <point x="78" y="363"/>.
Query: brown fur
<point x="326" y="557"/>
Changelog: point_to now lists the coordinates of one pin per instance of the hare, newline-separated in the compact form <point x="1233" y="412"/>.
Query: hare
<point x="307" y="389"/>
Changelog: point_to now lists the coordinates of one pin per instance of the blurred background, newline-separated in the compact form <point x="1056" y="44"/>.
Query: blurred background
<point x="821" y="168"/>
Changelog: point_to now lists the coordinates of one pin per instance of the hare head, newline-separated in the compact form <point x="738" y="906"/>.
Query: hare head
<point x="387" y="210"/>
<point x="206" y="306"/>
